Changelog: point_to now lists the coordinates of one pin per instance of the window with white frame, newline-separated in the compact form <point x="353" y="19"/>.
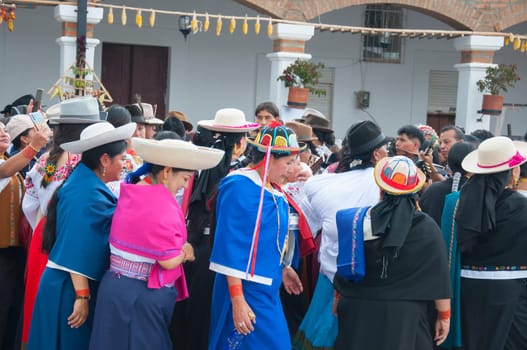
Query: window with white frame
<point x="382" y="47"/>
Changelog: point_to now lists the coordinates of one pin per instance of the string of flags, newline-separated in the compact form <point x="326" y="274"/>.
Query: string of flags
<point x="200" y="22"/>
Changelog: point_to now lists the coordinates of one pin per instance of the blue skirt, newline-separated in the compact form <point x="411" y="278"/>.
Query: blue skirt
<point x="53" y="305"/>
<point x="319" y="328"/>
<point x="270" y="329"/>
<point x="130" y="316"/>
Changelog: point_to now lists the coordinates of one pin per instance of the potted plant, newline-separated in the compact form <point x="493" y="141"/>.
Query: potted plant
<point x="301" y="77"/>
<point x="497" y="79"/>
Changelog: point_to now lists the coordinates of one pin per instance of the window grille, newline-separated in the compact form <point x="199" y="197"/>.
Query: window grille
<point x="382" y="47"/>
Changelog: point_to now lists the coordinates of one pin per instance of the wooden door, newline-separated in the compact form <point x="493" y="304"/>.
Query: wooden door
<point x="130" y="70"/>
<point x="439" y="120"/>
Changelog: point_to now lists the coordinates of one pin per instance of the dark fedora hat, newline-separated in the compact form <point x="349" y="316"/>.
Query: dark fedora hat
<point x="364" y="137"/>
<point x="137" y="113"/>
<point x="13" y="108"/>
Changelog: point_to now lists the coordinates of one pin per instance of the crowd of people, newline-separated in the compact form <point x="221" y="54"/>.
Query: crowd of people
<point x="122" y="230"/>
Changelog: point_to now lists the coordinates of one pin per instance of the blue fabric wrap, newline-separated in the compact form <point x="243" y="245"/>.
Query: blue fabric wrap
<point x="350" y="259"/>
<point x="84" y="216"/>
<point x="237" y="207"/>
<point x="454" y="336"/>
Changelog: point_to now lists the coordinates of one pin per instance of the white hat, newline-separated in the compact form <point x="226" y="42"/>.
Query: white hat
<point x="149" y="114"/>
<point x="177" y="153"/>
<point x="229" y="120"/>
<point x="18" y="124"/>
<point x="97" y="135"/>
<point x="78" y="110"/>
<point x="494" y="155"/>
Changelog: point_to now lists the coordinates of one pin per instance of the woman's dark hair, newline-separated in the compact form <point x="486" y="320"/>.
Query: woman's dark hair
<point x="62" y="133"/>
<point x="523" y="170"/>
<point x="325" y="137"/>
<point x="267" y="106"/>
<point x="167" y="134"/>
<point x="118" y="115"/>
<point x="482" y="134"/>
<point x="345" y="164"/>
<point x="457" y="153"/>
<point x="200" y="214"/>
<point x="17" y="142"/>
<point x="176" y="125"/>
<point x="91" y="159"/>
<point x="257" y="156"/>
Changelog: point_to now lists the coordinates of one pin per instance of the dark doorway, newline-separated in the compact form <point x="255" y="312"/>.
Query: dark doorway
<point x="438" y="120"/>
<point x="128" y="70"/>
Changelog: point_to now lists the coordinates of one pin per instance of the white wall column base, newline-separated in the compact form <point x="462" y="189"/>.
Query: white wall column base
<point x="68" y="44"/>
<point x="280" y="60"/>
<point x="468" y="96"/>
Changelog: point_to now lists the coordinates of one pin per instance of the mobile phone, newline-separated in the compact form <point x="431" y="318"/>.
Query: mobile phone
<point x="38" y="119"/>
<point x="37" y="103"/>
<point x="429" y="150"/>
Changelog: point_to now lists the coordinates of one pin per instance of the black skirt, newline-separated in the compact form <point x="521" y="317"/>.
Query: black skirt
<point x="383" y="325"/>
<point x="494" y="314"/>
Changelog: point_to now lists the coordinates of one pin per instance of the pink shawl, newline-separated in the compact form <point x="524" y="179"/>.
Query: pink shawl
<point x="149" y="222"/>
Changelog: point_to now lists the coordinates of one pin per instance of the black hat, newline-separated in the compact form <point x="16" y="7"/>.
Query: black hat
<point x="364" y="137"/>
<point x="137" y="113"/>
<point x="21" y="101"/>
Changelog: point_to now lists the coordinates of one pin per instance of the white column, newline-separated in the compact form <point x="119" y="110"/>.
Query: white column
<point x="477" y="52"/>
<point x="67" y="43"/>
<point x="289" y="46"/>
<point x="68" y="51"/>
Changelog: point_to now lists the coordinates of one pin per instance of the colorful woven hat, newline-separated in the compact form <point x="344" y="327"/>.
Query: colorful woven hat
<point x="277" y="138"/>
<point x="398" y="175"/>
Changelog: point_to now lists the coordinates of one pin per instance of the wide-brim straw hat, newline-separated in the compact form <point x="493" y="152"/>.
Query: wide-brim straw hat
<point x="228" y="120"/>
<point x="99" y="134"/>
<point x="177" y="153"/>
<point x="277" y="138"/>
<point x="78" y="110"/>
<point x="495" y="155"/>
<point x="398" y="175"/>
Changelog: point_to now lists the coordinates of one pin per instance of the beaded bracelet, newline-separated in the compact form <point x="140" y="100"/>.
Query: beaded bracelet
<point x="82" y="297"/>
<point x="82" y="292"/>
<point x="33" y="147"/>
<point x="29" y="152"/>
<point x="235" y="290"/>
<point x="443" y="315"/>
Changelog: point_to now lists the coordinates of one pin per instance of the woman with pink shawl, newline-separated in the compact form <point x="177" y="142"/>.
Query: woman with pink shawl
<point x="148" y="246"/>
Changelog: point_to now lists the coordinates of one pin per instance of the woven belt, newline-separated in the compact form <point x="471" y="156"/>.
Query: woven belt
<point x="131" y="269"/>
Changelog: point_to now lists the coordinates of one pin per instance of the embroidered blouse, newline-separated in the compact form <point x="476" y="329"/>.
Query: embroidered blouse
<point x="36" y="200"/>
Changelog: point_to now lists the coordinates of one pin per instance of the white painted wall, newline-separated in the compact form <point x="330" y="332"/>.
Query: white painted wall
<point x="209" y="72"/>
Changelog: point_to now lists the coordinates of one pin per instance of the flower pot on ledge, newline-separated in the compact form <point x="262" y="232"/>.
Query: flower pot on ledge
<point x="297" y="97"/>
<point x="492" y="104"/>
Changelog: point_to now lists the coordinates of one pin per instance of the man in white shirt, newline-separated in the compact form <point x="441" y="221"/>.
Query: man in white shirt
<point x="352" y="186"/>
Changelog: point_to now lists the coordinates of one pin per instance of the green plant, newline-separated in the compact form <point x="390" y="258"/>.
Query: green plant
<point x="498" y="78"/>
<point x="303" y="74"/>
